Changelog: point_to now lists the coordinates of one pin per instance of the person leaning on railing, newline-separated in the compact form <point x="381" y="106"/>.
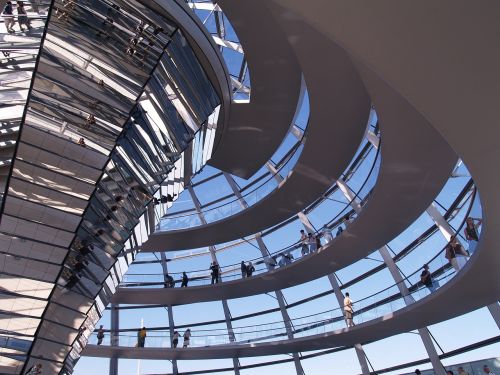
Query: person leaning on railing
<point x="426" y="279"/>
<point x="453" y="251"/>
<point x="471" y="233"/>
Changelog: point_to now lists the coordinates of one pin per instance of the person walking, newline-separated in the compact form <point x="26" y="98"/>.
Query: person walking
<point x="250" y="269"/>
<point x="214" y="267"/>
<point x="141" y="337"/>
<point x="471" y="233"/>
<point x="348" y="311"/>
<point x="8" y="17"/>
<point x="175" y="339"/>
<point x="22" y="16"/>
<point x="185" y="280"/>
<point x="304" y="242"/>
<point x="426" y="279"/>
<point x="243" y="270"/>
<point x="100" y="335"/>
<point x="461" y="371"/>
<point x="187" y="336"/>
<point x="417" y="372"/>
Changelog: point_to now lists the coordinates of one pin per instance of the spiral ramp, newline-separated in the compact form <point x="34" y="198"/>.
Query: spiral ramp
<point x="431" y="112"/>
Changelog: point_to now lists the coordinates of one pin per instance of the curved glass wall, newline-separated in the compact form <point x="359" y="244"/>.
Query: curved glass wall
<point x="368" y="307"/>
<point x="365" y="169"/>
<point x="218" y="25"/>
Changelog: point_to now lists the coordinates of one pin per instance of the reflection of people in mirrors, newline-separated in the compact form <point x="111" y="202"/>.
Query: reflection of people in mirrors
<point x="8" y="17"/>
<point x="164" y="199"/>
<point x="22" y="16"/>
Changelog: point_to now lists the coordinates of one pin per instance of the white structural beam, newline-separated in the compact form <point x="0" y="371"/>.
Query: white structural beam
<point x="399" y="280"/>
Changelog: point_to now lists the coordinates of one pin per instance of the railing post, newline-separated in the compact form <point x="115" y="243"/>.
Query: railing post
<point x="114" y="337"/>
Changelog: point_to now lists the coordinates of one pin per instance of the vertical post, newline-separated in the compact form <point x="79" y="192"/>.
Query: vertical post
<point x="213" y="255"/>
<point x="279" y="294"/>
<point x="114" y="337"/>
<point x="399" y="280"/>
<point x="170" y="313"/>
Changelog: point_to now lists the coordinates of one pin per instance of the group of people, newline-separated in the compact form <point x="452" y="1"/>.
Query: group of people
<point x="455" y="252"/>
<point x="247" y="270"/>
<point x="9" y="19"/>
<point x="461" y="371"/>
<point x="309" y="242"/>
<point x="186" y="337"/>
<point x="142" y="334"/>
<point x="169" y="281"/>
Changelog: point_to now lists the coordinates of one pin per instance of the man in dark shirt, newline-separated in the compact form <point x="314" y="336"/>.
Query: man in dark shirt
<point x="426" y="279"/>
<point x="214" y="267"/>
<point x="185" y="280"/>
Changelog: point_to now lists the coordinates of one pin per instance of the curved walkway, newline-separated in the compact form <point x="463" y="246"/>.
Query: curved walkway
<point x="478" y="283"/>
<point x="408" y="181"/>
<point x="339" y="108"/>
<point x="275" y="74"/>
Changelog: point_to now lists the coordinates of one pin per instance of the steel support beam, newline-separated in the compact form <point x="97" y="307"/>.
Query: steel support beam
<point x="114" y="337"/>
<point x="170" y="312"/>
<point x="399" y="280"/>
<point x="213" y="255"/>
<point x="264" y="251"/>
<point x="363" y="363"/>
